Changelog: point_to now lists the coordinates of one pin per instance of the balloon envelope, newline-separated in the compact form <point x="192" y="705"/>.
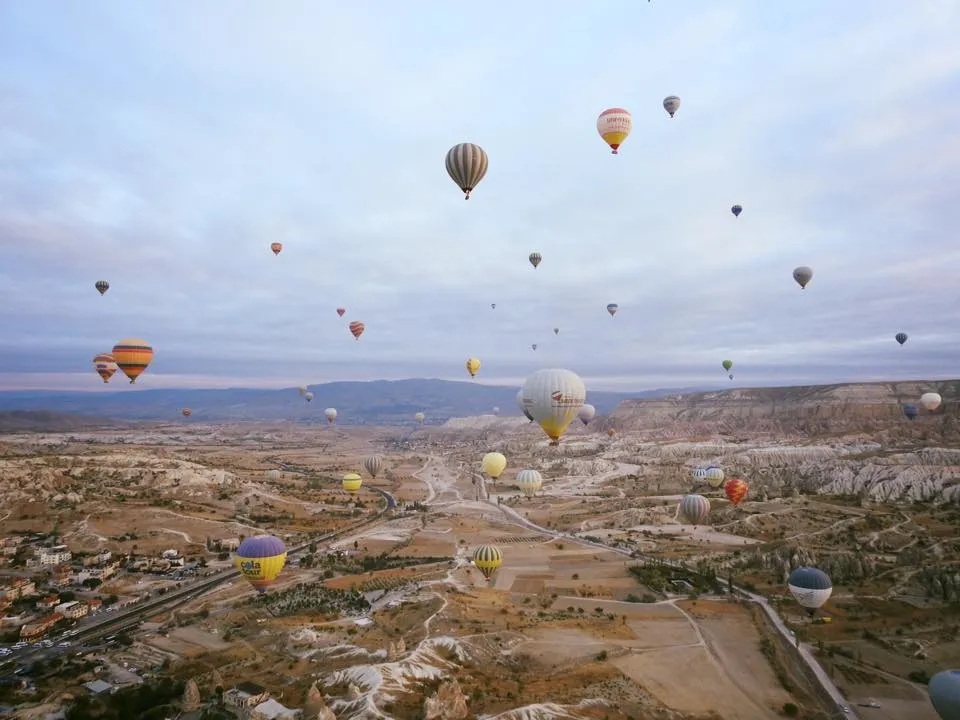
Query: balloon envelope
<point x="694" y="508"/>
<point x="911" y="411"/>
<point x="714" y="476"/>
<point x="420" y="417"/>
<point x="529" y="482"/>
<point x="535" y="259"/>
<point x="736" y="490"/>
<point x="554" y="398"/>
<point x="803" y="275"/>
<point x="373" y="464"/>
<point x="352" y="482"/>
<point x="467" y="165"/>
<point x="944" y="689"/>
<point x="276" y="247"/>
<point x="900" y="337"/>
<point x="105" y="366"/>
<point x="736" y="210"/>
<point x="614" y="126"/>
<point x="493" y="464"/>
<point x="357" y="328"/>
<point x="587" y="413"/>
<point x="671" y="104"/>
<point x="931" y="400"/>
<point x="523" y="408"/>
<point x="473" y="366"/>
<point x="260" y="559"/>
<point x="331" y="415"/>
<point x="810" y="586"/>
<point x="612" y="309"/>
<point x="102" y="286"/>
<point x="132" y="356"/>
<point x="487" y="559"/>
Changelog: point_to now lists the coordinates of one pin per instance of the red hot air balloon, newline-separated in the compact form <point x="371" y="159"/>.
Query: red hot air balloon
<point x="357" y="328"/>
<point x="736" y="490"/>
<point x="276" y="247"/>
<point x="341" y="311"/>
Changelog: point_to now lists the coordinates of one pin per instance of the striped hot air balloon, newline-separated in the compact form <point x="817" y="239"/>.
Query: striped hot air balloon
<point x="341" y="311"/>
<point x="473" y="366"/>
<point x="614" y="125"/>
<point x="535" y="259"/>
<point x="105" y="366"/>
<point x="260" y="559"/>
<point x="699" y="474"/>
<point x="529" y="482"/>
<point x="714" y="476"/>
<point x="186" y="412"/>
<point x="612" y="309"/>
<point x="466" y="165"/>
<point x="736" y="490"/>
<point x="694" y="508"/>
<point x="487" y="558"/>
<point x="352" y="482"/>
<point x="357" y="328"/>
<point x="276" y="247"/>
<point x="132" y="356"/>
<point x="373" y="464"/>
<point x="102" y="286"/>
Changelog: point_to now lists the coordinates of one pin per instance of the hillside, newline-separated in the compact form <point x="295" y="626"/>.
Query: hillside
<point x="378" y="402"/>
<point x="43" y="421"/>
<point x="807" y="410"/>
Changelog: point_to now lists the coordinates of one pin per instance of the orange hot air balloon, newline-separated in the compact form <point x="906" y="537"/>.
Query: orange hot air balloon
<point x="105" y="366"/>
<point x="341" y="311"/>
<point x="736" y="490"/>
<point x="357" y="328"/>
<point x="276" y="247"/>
<point x="187" y="412"/>
<point x="132" y="355"/>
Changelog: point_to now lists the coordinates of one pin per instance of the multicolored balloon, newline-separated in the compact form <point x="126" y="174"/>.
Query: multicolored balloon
<point x="694" y="508"/>
<point x="132" y="356"/>
<point x="535" y="259"/>
<point x="341" y="311"/>
<point x="105" y="366"/>
<point x="554" y="398"/>
<point x="714" y="476"/>
<point x="612" y="309"/>
<point x="276" y="247"/>
<point x="487" y="558"/>
<point x="260" y="559"/>
<point x="811" y="587"/>
<point x="614" y="126"/>
<point x="186" y="412"/>
<point x="357" y="328"/>
<point x="467" y="165"/>
<point x="736" y="490"/>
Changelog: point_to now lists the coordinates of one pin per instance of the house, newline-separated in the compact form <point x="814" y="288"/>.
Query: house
<point x="18" y="588"/>
<point x="60" y="576"/>
<point x="272" y="710"/>
<point x="55" y="555"/>
<point x="73" y="610"/>
<point x="97" y="559"/>
<point x="170" y="554"/>
<point x="94" y="604"/>
<point x="245" y="696"/>
<point x="39" y="627"/>
<point x="47" y="603"/>
<point x="97" y="573"/>
<point x="98" y="687"/>
<point x="229" y="544"/>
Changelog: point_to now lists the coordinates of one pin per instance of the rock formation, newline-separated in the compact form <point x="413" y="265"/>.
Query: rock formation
<point x="353" y="692"/>
<point x="191" y="696"/>
<point x="396" y="649"/>
<point x="449" y="703"/>
<point x="216" y="681"/>
<point x="315" y="707"/>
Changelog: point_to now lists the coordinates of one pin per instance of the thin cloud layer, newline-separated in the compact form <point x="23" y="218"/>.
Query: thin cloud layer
<point x="163" y="147"/>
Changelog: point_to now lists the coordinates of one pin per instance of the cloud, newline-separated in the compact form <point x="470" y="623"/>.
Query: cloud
<point x="163" y="148"/>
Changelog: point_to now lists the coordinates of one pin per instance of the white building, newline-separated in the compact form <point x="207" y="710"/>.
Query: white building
<point x="56" y="555"/>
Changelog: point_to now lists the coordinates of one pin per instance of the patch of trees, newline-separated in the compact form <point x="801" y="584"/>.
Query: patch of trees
<point x="313" y="598"/>
<point x="367" y="563"/>
<point x="665" y="578"/>
<point x="150" y="701"/>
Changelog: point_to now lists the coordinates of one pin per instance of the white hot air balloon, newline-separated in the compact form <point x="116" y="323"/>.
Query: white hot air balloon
<point x="331" y="415"/>
<point x="931" y="401"/>
<point x="811" y="587"/>
<point x="587" y="413"/>
<point x="302" y="390"/>
<point x="554" y="398"/>
<point x="308" y="396"/>
<point x="420" y="417"/>
<point x="529" y="482"/>
<point x="714" y="476"/>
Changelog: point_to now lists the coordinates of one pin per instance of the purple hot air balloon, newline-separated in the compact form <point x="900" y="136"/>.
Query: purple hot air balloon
<point x="260" y="559"/>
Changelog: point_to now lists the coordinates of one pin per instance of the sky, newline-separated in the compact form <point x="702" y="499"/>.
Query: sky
<point x="163" y="145"/>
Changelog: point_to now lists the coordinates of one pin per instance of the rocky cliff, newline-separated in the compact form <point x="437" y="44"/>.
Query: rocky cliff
<point x="811" y="410"/>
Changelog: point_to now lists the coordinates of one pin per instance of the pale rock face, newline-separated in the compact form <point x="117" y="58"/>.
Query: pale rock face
<point x="315" y="707"/>
<point x="191" y="696"/>
<point x="216" y="681"/>
<point x="396" y="650"/>
<point x="449" y="703"/>
<point x="353" y="692"/>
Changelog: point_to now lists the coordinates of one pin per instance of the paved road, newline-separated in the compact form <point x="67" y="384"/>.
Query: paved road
<point x="778" y="623"/>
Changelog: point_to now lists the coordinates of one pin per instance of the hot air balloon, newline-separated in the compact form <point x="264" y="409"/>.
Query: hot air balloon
<point x="612" y="309"/>
<point x="302" y="390"/>
<point x="554" y="398"/>
<point x="699" y="474"/>
<point x="105" y="366"/>
<point x="535" y="259"/>
<point x="911" y="411"/>
<point x="308" y="397"/>
<point x="487" y="559"/>
<point x="260" y="559"/>
<point x="694" y="508"/>
<point x="944" y="689"/>
<point x="357" y="328"/>
<point x="714" y="476"/>
<point x="496" y="409"/>
<point x="730" y="376"/>
<point x="811" y="587"/>
<point x="132" y="356"/>
<point x="352" y="482"/>
<point x="556" y="331"/>
<point x="493" y="306"/>
<point x="587" y="413"/>
<point x="671" y="104"/>
<point x="420" y="417"/>
<point x="473" y="366"/>
<point x="331" y="415"/>
<point x="611" y="432"/>
<point x="493" y="464"/>
<point x="341" y="311"/>
<point x="900" y="337"/>
<point x="276" y="247"/>
<point x="273" y="475"/>
<point x="736" y="490"/>
<point x="614" y="125"/>
<point x="931" y="401"/>
<point x="529" y="482"/>
<point x="803" y="275"/>
<point x="534" y="346"/>
<point x="523" y="408"/>
<point x="187" y="412"/>
<point x="102" y="286"/>
<point x="736" y="210"/>
<point x="466" y="165"/>
<point x="373" y="464"/>
<point x="727" y="364"/>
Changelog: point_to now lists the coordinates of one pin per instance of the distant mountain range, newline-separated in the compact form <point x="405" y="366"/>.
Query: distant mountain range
<point x="377" y="402"/>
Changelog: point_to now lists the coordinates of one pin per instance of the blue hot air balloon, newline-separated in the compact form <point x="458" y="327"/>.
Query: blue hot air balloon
<point x="911" y="411"/>
<point x="811" y="587"/>
<point x="944" y="689"/>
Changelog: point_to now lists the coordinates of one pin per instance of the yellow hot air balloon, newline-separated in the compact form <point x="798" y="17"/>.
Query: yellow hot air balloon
<point x="614" y="125"/>
<point x="260" y="560"/>
<point x="420" y="417"/>
<point x="487" y="559"/>
<point x="132" y="356"/>
<point x="473" y="366"/>
<point x="352" y="482"/>
<point x="554" y="398"/>
<point x="493" y="464"/>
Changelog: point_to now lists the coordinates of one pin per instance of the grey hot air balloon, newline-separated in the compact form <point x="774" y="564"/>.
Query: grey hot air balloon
<point x="534" y="346"/>
<point x="803" y="275"/>
<point x="467" y="164"/>
<point x="535" y="259"/>
<point x="373" y="464"/>
<point x="811" y="587"/>
<point x="529" y="482"/>
<point x="694" y="508"/>
<point x="587" y="413"/>
<point x="900" y="337"/>
<point x="944" y="689"/>
<point x="671" y="104"/>
<point x="736" y="210"/>
<point x="523" y="408"/>
<point x="556" y="331"/>
<point x="102" y="286"/>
